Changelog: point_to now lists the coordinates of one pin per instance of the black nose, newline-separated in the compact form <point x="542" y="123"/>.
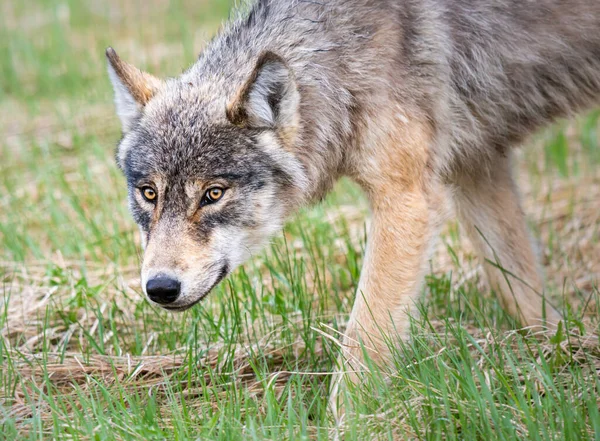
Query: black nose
<point x="162" y="289"/>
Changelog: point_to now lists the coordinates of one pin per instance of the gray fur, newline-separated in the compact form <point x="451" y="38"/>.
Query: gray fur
<point x="483" y="74"/>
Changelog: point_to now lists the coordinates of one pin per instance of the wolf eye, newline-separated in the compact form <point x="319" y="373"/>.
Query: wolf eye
<point x="149" y="193"/>
<point x="212" y="195"/>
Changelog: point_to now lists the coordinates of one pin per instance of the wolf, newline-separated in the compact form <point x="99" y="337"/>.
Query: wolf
<point x="421" y="102"/>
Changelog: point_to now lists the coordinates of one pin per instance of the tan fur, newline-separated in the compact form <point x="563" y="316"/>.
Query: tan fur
<point x="490" y="211"/>
<point x="171" y="247"/>
<point x="408" y="208"/>
<point x="404" y="221"/>
<point x="141" y="85"/>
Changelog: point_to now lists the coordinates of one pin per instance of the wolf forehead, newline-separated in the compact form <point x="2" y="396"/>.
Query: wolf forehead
<point x="181" y="141"/>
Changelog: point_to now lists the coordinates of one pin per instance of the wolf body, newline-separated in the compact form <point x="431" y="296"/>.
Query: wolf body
<point x="418" y="101"/>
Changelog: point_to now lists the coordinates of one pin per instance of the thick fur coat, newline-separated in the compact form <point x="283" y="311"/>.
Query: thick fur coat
<point x="419" y="101"/>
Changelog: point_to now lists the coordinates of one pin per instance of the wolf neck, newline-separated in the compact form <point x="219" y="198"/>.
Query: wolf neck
<point x="294" y="31"/>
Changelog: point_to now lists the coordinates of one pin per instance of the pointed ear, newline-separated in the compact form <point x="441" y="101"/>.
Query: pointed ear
<point x="133" y="88"/>
<point x="269" y="98"/>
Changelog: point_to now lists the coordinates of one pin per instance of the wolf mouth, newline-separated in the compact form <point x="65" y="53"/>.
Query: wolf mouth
<point x="222" y="274"/>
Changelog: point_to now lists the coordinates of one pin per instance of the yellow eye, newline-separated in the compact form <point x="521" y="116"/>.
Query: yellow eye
<point x="149" y="194"/>
<point x="213" y="195"/>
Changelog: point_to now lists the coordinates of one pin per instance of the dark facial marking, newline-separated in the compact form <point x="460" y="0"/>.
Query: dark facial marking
<point x="182" y="147"/>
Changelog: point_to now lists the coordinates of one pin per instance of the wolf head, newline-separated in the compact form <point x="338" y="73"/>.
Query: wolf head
<point x="211" y="172"/>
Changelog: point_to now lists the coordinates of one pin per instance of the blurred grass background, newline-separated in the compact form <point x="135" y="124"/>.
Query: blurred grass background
<point x="85" y="357"/>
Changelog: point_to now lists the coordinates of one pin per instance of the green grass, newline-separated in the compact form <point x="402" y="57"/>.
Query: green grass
<point x="84" y="357"/>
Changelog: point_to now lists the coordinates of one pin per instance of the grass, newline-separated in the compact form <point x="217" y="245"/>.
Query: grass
<point x="85" y="357"/>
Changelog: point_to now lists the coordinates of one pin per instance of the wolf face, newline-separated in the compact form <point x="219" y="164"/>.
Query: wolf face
<point x="210" y="176"/>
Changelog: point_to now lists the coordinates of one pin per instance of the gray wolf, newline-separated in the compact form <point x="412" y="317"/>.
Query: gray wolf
<point x="418" y="101"/>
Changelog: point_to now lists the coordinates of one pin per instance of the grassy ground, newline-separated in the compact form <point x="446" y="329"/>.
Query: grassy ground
<point x="83" y="356"/>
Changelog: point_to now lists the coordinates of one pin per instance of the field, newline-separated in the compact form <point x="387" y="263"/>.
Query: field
<point x="84" y="356"/>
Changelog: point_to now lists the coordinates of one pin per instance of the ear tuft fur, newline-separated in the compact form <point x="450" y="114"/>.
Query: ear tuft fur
<point x="269" y="98"/>
<point x="133" y="88"/>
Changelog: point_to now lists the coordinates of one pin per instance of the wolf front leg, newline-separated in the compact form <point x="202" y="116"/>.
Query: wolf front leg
<point x="404" y="225"/>
<point x="396" y="257"/>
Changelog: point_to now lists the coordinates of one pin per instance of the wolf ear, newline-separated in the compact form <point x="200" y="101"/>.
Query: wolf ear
<point x="133" y="88"/>
<point x="269" y="98"/>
